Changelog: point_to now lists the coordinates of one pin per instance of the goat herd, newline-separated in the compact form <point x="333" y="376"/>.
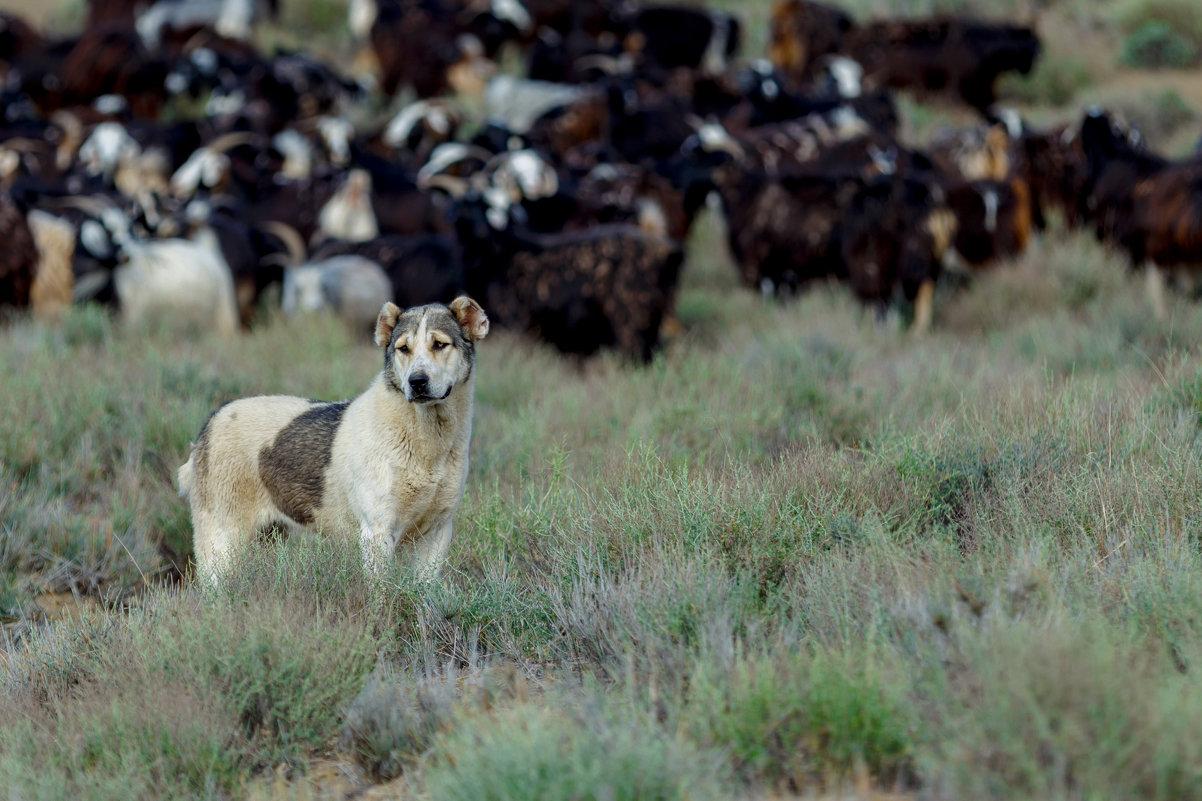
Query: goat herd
<point x="160" y="163"/>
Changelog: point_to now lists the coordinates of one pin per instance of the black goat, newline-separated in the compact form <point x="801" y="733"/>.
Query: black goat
<point x="608" y="287"/>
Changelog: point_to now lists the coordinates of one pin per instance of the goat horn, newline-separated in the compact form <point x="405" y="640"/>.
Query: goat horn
<point x="87" y="203"/>
<point x="275" y="259"/>
<point x="455" y="187"/>
<point x="68" y="122"/>
<point x="297" y="252"/>
<point x="471" y="151"/>
<point x="230" y="141"/>
<point x="72" y="138"/>
<point x="435" y="166"/>
<point x="494" y="161"/>
<point x="199" y="39"/>
<point x="21" y="144"/>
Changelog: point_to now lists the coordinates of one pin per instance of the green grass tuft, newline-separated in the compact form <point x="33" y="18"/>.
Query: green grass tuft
<point x="543" y="753"/>
<point x="801" y="720"/>
<point x="1155" y="45"/>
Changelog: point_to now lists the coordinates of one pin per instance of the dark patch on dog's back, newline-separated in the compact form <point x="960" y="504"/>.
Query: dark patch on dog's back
<point x="293" y="467"/>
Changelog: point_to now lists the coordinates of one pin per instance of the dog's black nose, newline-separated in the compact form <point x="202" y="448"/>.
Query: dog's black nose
<point x="419" y="382"/>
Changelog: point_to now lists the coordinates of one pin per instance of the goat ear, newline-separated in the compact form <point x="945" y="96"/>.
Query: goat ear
<point x="389" y="314"/>
<point x="471" y="317"/>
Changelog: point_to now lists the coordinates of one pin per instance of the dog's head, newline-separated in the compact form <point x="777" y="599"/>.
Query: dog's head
<point x="430" y="350"/>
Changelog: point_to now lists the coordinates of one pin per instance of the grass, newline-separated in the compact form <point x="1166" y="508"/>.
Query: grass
<point x="1054" y="81"/>
<point x="801" y="553"/>
<point x="797" y="719"/>
<point x="544" y="752"/>
<point x="1155" y="45"/>
<point x="800" y="549"/>
<point x="1180" y="16"/>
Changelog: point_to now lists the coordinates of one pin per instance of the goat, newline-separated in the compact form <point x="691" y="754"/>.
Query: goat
<point x="993" y="218"/>
<point x="943" y="55"/>
<point x="19" y="260"/>
<point x="610" y="286"/>
<point x="519" y="102"/>
<point x="110" y="61"/>
<point x="52" y="291"/>
<point x="350" y="286"/>
<point x="669" y="37"/>
<point x="420" y="127"/>
<point x="1147" y="205"/>
<point x="256" y="255"/>
<point x="420" y="44"/>
<point x="17" y="39"/>
<point x="348" y="214"/>
<point x="894" y="234"/>
<point x="781" y="147"/>
<point x="802" y="32"/>
<point x="979" y="153"/>
<point x="173" y="280"/>
<point x="847" y="211"/>
<point x="421" y="269"/>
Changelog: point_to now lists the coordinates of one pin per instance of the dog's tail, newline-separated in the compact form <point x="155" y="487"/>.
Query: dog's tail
<point x="183" y="478"/>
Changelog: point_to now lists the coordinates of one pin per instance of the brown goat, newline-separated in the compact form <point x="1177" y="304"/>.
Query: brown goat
<point x="54" y="281"/>
<point x="993" y="219"/>
<point x="112" y="60"/>
<point x="1168" y="211"/>
<point x="421" y="44"/>
<point x="802" y="32"/>
<point x="19" y="259"/>
<point x="946" y="56"/>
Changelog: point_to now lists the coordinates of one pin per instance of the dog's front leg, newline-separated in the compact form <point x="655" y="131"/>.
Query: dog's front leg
<point x="429" y="552"/>
<point x="377" y="543"/>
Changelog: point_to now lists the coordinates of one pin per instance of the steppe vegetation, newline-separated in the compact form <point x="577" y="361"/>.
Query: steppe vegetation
<point x="800" y="554"/>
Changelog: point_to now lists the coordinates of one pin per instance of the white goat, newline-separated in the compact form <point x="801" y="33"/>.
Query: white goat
<point x="348" y="214"/>
<point x="352" y="287"/>
<point x="174" y="280"/>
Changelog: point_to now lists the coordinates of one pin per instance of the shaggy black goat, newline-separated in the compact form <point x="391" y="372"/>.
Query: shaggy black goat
<point x="608" y="287"/>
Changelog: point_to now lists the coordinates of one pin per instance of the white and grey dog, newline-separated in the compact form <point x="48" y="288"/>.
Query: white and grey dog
<point x="389" y="465"/>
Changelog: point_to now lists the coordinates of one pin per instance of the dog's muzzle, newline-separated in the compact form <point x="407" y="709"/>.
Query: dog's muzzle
<point x="419" y="390"/>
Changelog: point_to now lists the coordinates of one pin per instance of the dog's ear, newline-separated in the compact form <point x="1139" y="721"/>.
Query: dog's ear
<point x="471" y="317"/>
<point x="389" y="314"/>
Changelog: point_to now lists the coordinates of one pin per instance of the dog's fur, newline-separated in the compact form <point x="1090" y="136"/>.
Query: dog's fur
<point x="389" y="464"/>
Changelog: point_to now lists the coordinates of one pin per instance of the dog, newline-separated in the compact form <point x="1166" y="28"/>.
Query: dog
<point x="390" y="464"/>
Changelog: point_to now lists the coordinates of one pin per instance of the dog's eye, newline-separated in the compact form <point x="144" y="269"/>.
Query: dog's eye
<point x="403" y="348"/>
<point x="439" y="345"/>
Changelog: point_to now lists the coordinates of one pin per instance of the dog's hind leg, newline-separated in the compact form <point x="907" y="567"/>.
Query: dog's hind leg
<point x="213" y="547"/>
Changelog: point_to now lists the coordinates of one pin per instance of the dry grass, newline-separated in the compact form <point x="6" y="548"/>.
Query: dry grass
<point x="898" y="553"/>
